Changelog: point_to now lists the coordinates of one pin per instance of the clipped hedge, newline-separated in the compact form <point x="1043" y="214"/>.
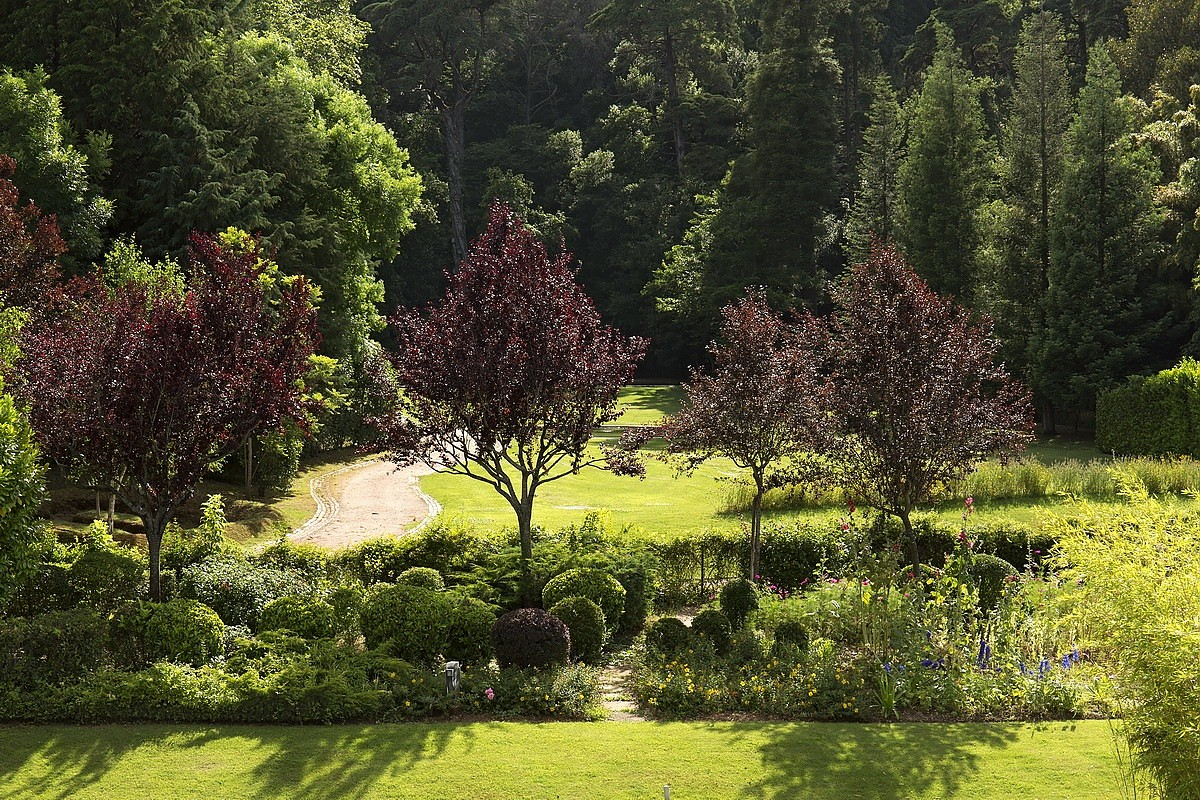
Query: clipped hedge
<point x="413" y="621"/>
<point x="1157" y="415"/>
<point x="237" y="589"/>
<point x="601" y="588"/>
<point x="183" y="631"/>
<point x="469" y="634"/>
<point x="530" y="637"/>
<point x="52" y="648"/>
<point x="585" y="621"/>
<point x="307" y="617"/>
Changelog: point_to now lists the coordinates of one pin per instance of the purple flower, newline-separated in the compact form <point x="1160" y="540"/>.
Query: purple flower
<point x="489" y="694"/>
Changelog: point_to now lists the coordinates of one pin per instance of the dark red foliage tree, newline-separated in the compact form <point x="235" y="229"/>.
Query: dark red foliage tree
<point x="30" y="245"/>
<point x="916" y="389"/>
<point x="761" y="405"/>
<point x="139" y="388"/>
<point x="506" y="377"/>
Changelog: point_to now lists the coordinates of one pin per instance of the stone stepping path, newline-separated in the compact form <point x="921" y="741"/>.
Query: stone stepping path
<point x="614" y="683"/>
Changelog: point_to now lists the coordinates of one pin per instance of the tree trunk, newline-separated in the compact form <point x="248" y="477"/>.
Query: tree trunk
<point x="524" y="511"/>
<point x="1048" y="425"/>
<point x="911" y="543"/>
<point x="249" y="465"/>
<point x="755" y="530"/>
<point x="154" y="528"/>
<point x="452" y="133"/>
<point x="673" y="105"/>
<point x="112" y="512"/>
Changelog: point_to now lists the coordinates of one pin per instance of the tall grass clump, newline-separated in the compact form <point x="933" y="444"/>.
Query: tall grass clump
<point x="1138" y="570"/>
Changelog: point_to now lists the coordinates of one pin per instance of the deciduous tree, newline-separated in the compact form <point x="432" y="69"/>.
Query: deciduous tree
<point x="761" y="404"/>
<point x="30" y="244"/>
<point x="139" y="388"/>
<point x="916" y="390"/>
<point x="505" y="378"/>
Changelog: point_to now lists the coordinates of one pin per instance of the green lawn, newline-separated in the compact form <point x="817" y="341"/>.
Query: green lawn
<point x="648" y="404"/>
<point x="560" y="760"/>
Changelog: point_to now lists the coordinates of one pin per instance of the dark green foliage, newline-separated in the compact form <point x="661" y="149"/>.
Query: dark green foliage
<point x="876" y="210"/>
<point x="585" y="621"/>
<point x="305" y="616"/>
<point x="793" y="633"/>
<point x="468" y="637"/>
<point x="1157" y="415"/>
<point x="793" y="553"/>
<point x="49" y="649"/>
<point x="21" y="490"/>
<point x="668" y="636"/>
<point x="236" y="589"/>
<point x="347" y="602"/>
<point x="412" y="621"/>
<point x="746" y="646"/>
<point x="308" y="560"/>
<point x="425" y="577"/>
<point x="738" y="598"/>
<point x="102" y="578"/>
<point x="713" y="626"/>
<point x="990" y="575"/>
<point x="47" y="589"/>
<point x="184" y="631"/>
<point x="692" y="568"/>
<point x="530" y="637"/>
<point x="639" y="600"/>
<point x="443" y="546"/>
<point x="599" y="587"/>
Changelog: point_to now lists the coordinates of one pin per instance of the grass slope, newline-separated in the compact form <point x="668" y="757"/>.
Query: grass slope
<point x="486" y="761"/>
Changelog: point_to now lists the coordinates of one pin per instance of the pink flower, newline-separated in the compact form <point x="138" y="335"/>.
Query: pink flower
<point x="489" y="694"/>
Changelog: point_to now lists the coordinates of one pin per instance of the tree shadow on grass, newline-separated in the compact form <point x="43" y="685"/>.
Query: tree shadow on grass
<point x="58" y="763"/>
<point x="879" y="761"/>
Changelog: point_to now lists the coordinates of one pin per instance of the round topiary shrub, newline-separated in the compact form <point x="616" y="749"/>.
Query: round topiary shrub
<point x="639" y="599"/>
<point x="469" y="636"/>
<point x="990" y="574"/>
<point x="601" y="588"/>
<point x="585" y="620"/>
<point x="668" y="636"/>
<point x="792" y="633"/>
<point x="738" y="598"/>
<point x="413" y="621"/>
<point x="425" y="577"/>
<point x="713" y="626"/>
<point x="236" y="589"/>
<point x="186" y="631"/>
<point x="530" y="637"/>
<point x="303" y="616"/>
<point x="746" y="646"/>
<point x="103" y="578"/>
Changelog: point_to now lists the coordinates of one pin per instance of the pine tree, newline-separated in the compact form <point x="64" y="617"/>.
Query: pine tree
<point x="1103" y="309"/>
<point x="1031" y="169"/>
<point x="945" y="178"/>
<point x="874" y="213"/>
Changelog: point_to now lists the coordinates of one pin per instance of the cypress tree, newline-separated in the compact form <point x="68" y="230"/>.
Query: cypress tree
<point x="874" y="213"/>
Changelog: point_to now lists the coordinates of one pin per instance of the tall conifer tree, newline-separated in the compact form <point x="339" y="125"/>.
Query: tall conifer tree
<point x="874" y="214"/>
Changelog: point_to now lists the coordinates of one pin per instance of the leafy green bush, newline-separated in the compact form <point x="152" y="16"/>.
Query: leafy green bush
<point x="713" y="626"/>
<point x="1136" y="569"/>
<point x="792" y="633"/>
<point x="445" y="546"/>
<point x="691" y="568"/>
<point x="639" y="598"/>
<point x="1152" y="416"/>
<point x="425" y="577"/>
<point x="184" y="631"/>
<point x="530" y="637"/>
<point x="791" y="555"/>
<point x="990" y="575"/>
<point x="307" y="617"/>
<point x="746" y="646"/>
<point x="738" y="598"/>
<point x="347" y="602"/>
<point x="601" y="588"/>
<point x="668" y="636"/>
<point x="468" y="637"/>
<point x="236" y="589"/>
<point x="585" y="620"/>
<point x="21" y="490"/>
<point x="102" y="578"/>
<point x="183" y="547"/>
<point x="306" y="560"/>
<point x="50" y="648"/>
<point x="413" y="621"/>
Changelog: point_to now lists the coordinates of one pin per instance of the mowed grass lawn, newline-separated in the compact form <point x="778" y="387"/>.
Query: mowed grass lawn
<point x="664" y="505"/>
<point x="485" y="761"/>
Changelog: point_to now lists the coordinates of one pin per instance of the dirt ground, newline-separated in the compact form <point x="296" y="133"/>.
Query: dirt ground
<point x="364" y="501"/>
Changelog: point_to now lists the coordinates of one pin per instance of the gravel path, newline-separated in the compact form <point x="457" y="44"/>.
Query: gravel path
<point x="364" y="501"/>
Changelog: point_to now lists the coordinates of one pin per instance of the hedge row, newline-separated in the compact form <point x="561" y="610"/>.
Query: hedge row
<point x="1157" y="415"/>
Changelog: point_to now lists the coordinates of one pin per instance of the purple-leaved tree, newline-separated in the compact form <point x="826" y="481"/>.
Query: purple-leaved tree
<point x="505" y="378"/>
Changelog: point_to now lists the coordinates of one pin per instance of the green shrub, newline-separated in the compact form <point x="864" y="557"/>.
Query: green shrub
<point x="347" y="602"/>
<point x="746" y="646"/>
<point x="601" y="588"/>
<point x="306" y="560"/>
<point x="425" y="577"/>
<point x="713" y="626"/>
<point x="792" y="554"/>
<point x="691" y="568"/>
<point x="444" y="546"/>
<point x="102" y="578"/>
<point x="1136" y="571"/>
<point x="413" y="621"/>
<point x="50" y="648"/>
<point x="1152" y="416"/>
<point x="668" y="636"/>
<point x="236" y="589"/>
<point x="22" y="487"/>
<point x="585" y="620"/>
<point x="307" y="617"/>
<point x="639" y="599"/>
<point x="738" y="598"/>
<point x="792" y="633"/>
<point x="184" y="631"/>
<point x="183" y="547"/>
<point x="990" y="576"/>
<point x="530" y="637"/>
<point x="468" y="639"/>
